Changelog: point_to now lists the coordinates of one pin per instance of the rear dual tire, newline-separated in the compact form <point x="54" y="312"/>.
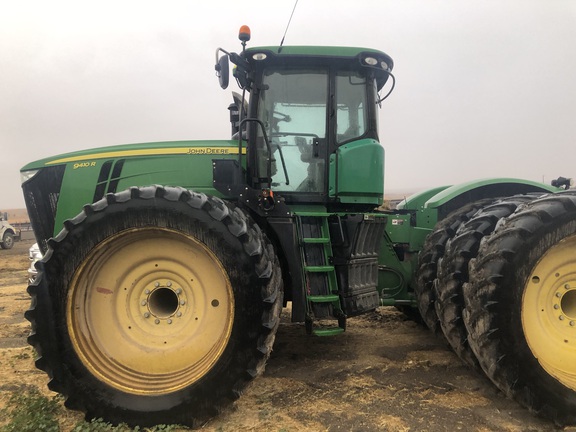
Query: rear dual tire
<point x="453" y="271"/>
<point x="432" y="252"/>
<point x="504" y="295"/>
<point x="521" y="307"/>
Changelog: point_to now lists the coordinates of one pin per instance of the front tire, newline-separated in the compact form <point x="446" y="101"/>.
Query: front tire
<point x="155" y="306"/>
<point x="7" y="240"/>
<point x="521" y="307"/>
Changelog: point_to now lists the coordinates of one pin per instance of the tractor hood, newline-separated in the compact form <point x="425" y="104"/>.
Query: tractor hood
<point x="183" y="148"/>
<point x="57" y="188"/>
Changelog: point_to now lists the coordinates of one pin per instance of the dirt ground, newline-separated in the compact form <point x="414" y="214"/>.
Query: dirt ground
<point x="385" y="373"/>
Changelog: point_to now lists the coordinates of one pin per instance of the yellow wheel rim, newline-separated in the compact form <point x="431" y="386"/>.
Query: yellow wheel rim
<point x="549" y="312"/>
<point x="150" y="311"/>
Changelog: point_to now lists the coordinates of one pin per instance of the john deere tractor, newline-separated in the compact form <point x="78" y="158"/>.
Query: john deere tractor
<point x="167" y="264"/>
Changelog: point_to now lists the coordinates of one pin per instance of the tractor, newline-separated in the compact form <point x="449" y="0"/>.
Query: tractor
<point x="166" y="265"/>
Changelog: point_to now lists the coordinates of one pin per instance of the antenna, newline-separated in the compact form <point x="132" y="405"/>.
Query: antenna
<point x="288" y="25"/>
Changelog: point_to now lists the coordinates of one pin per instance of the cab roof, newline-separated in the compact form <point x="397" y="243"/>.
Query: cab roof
<point x="382" y="62"/>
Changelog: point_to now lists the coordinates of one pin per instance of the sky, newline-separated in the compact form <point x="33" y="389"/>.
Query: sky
<point x="483" y="88"/>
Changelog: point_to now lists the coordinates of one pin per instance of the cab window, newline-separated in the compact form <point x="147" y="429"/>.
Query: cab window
<point x="351" y="116"/>
<point x="292" y="107"/>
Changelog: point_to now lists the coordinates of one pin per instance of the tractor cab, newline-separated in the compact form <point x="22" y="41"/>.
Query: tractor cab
<point x="310" y="127"/>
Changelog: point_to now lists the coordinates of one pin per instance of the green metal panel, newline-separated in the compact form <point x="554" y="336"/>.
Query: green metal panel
<point x="357" y="173"/>
<point x="170" y="171"/>
<point x="425" y="209"/>
<point x="394" y="275"/>
<point x="504" y="184"/>
<point x="91" y="174"/>
<point x="417" y="200"/>
<point x="424" y="217"/>
<point x="309" y="210"/>
<point x="399" y="227"/>
<point x="432" y="204"/>
<point x="77" y="190"/>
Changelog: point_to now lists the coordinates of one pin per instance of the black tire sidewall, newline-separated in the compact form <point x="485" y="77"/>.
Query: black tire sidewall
<point x="519" y="369"/>
<point x="453" y="270"/>
<point x="7" y="240"/>
<point x="431" y="254"/>
<point x="98" y="399"/>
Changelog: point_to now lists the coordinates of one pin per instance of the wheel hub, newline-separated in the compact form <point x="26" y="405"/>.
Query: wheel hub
<point x="150" y="310"/>
<point x="163" y="303"/>
<point x="567" y="304"/>
<point x="549" y="312"/>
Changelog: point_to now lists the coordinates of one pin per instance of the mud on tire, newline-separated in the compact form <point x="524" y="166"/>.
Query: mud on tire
<point x="431" y="253"/>
<point x="453" y="271"/>
<point x="521" y="307"/>
<point x="155" y="305"/>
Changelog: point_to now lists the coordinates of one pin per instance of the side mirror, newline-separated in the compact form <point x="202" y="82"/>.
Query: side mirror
<point x="223" y="71"/>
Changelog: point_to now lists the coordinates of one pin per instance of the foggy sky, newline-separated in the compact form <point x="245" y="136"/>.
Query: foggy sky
<point x="484" y="89"/>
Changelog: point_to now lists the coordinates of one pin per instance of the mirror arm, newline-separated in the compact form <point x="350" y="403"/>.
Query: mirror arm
<point x="239" y="61"/>
<point x="218" y="50"/>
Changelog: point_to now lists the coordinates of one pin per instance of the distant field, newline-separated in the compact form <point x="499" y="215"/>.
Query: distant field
<point x="16" y="215"/>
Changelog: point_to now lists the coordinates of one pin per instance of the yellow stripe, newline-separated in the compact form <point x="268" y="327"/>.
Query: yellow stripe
<point x="212" y="151"/>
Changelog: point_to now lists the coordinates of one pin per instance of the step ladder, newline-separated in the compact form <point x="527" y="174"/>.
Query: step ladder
<point x="320" y="282"/>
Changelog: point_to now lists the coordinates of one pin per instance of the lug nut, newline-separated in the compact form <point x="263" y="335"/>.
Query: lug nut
<point x="156" y="321"/>
<point x="169" y="284"/>
<point x="156" y="284"/>
<point x="143" y="302"/>
<point x="178" y="291"/>
<point x="556" y="306"/>
<point x="147" y="291"/>
<point x="561" y="318"/>
<point x="169" y="321"/>
<point x="179" y="314"/>
<point x="182" y="302"/>
<point x="146" y="315"/>
<point x="572" y="323"/>
<point x="558" y="294"/>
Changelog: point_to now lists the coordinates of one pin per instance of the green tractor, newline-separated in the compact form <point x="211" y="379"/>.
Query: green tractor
<point x="167" y="264"/>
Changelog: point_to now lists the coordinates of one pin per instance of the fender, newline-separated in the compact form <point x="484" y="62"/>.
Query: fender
<point x="435" y="204"/>
<point x="419" y="199"/>
<point x="428" y="207"/>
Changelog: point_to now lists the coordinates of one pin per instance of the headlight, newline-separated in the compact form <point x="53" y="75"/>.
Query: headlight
<point x="259" y="56"/>
<point x="27" y="175"/>
<point x="370" y="61"/>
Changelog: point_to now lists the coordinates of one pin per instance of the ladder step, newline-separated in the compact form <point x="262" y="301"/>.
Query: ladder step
<point x="330" y="331"/>
<point x="317" y="240"/>
<point x="315" y="245"/>
<point x="318" y="269"/>
<point x="323" y="298"/>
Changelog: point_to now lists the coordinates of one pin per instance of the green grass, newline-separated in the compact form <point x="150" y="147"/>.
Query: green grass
<point x="31" y="411"/>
